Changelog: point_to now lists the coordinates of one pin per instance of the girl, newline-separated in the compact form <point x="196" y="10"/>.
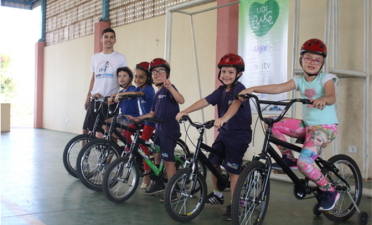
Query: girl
<point x="144" y="87"/>
<point x="319" y="124"/>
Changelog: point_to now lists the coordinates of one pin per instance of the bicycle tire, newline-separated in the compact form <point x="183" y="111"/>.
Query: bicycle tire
<point x="113" y="186"/>
<point x="348" y="170"/>
<point x="189" y="203"/>
<point x="247" y="193"/>
<point x="92" y="178"/>
<point x="201" y="167"/>
<point x="71" y="152"/>
<point x="183" y="147"/>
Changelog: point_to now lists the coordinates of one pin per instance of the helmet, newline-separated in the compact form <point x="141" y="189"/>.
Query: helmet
<point x="314" y="46"/>
<point x="145" y="67"/>
<point x="159" y="62"/>
<point x="231" y="60"/>
<point x="125" y="69"/>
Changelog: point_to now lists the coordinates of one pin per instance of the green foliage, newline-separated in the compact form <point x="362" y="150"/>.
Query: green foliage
<point x="8" y="86"/>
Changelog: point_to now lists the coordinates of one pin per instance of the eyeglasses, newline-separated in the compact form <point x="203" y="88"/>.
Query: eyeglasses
<point x="317" y="62"/>
<point x="154" y="72"/>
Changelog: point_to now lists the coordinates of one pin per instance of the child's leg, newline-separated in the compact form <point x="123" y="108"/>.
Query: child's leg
<point x="317" y="138"/>
<point x="168" y="143"/>
<point x="128" y="135"/>
<point x="146" y="135"/>
<point x="291" y="127"/>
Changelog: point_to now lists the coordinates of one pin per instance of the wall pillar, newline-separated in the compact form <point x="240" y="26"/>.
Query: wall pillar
<point x="98" y="28"/>
<point x="227" y="34"/>
<point x="39" y="84"/>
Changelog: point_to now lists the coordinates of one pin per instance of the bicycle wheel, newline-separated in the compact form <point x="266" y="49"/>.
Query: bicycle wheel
<point x="201" y="167"/>
<point x="247" y="208"/>
<point x="349" y="171"/>
<point x="72" y="150"/>
<point x="182" y="202"/>
<point x="120" y="180"/>
<point x="181" y="148"/>
<point x="92" y="161"/>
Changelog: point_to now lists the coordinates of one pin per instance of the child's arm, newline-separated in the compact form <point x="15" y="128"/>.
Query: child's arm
<point x="328" y="99"/>
<point x="150" y="114"/>
<point x="176" y="95"/>
<point x="234" y="107"/>
<point x="270" y="89"/>
<point x="196" y="106"/>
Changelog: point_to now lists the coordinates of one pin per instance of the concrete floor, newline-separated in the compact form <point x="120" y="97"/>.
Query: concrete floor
<point x="36" y="189"/>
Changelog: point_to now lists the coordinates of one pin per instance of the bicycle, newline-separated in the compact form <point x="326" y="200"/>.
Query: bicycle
<point x="100" y="152"/>
<point x="74" y="146"/>
<point x="252" y="192"/>
<point x="189" y="185"/>
<point x="121" y="177"/>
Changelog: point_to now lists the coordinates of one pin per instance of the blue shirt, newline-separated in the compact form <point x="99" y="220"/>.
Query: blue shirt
<point x="166" y="108"/>
<point x="240" y="123"/>
<point x="314" y="90"/>
<point x="146" y="100"/>
<point x="129" y="106"/>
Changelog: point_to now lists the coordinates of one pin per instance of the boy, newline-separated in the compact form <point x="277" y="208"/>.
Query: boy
<point x="165" y="106"/>
<point x="104" y="80"/>
<point x="234" y="123"/>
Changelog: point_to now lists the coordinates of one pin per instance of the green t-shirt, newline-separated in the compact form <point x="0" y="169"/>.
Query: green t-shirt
<point x="314" y="90"/>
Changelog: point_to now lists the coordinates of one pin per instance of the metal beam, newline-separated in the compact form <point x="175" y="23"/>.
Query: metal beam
<point x="105" y="11"/>
<point x="43" y="19"/>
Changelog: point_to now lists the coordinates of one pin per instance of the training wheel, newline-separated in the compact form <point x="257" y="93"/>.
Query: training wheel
<point x="316" y="210"/>
<point x="363" y="218"/>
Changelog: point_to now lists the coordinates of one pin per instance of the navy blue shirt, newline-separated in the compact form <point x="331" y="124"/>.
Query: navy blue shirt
<point x="166" y="108"/>
<point x="240" y="123"/>
<point x="146" y="101"/>
<point x="129" y="106"/>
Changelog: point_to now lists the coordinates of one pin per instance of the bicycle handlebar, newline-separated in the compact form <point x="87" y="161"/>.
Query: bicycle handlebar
<point x="148" y="119"/>
<point x="208" y="124"/>
<point x="286" y="104"/>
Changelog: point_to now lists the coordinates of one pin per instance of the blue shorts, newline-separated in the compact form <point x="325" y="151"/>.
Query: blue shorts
<point x="233" y="148"/>
<point x="167" y="143"/>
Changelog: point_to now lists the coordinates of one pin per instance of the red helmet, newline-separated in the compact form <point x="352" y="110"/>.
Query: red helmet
<point x="314" y="46"/>
<point x="159" y="62"/>
<point x="145" y="67"/>
<point x="232" y="60"/>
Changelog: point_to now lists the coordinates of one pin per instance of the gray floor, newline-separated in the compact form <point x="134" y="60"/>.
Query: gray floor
<point x="36" y="189"/>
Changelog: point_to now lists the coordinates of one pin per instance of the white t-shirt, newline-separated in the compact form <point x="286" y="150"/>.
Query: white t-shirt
<point x="104" y="68"/>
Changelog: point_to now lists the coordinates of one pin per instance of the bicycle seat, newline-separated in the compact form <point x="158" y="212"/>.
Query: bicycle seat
<point x="300" y="140"/>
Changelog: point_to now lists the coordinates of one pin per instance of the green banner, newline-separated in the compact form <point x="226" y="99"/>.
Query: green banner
<point x="263" y="38"/>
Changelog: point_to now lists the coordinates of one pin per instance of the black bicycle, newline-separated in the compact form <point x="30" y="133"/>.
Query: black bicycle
<point x="189" y="184"/>
<point x="121" y="177"/>
<point x="252" y="192"/>
<point x="95" y="157"/>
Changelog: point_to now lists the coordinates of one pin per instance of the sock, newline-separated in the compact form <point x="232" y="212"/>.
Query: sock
<point x="218" y="193"/>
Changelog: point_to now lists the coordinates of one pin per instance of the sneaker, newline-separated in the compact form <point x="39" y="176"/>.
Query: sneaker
<point x="227" y="214"/>
<point x="213" y="199"/>
<point x="173" y="198"/>
<point x="289" y="162"/>
<point x="329" y="200"/>
<point x="156" y="187"/>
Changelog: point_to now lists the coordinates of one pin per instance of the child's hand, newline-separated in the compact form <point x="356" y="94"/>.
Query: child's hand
<point x="166" y="82"/>
<point x="110" y="99"/>
<point x="181" y="114"/>
<point x="245" y="91"/>
<point x="220" y="122"/>
<point x="131" y="118"/>
<point x="318" y="103"/>
<point x="98" y="95"/>
<point x="117" y="98"/>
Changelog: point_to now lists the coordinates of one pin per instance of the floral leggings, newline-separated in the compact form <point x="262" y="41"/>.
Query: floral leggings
<point x="317" y="138"/>
<point x="146" y="135"/>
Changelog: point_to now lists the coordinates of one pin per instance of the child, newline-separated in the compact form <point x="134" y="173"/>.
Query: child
<point x="165" y="107"/>
<point x="319" y="124"/>
<point x="143" y="81"/>
<point x="236" y="134"/>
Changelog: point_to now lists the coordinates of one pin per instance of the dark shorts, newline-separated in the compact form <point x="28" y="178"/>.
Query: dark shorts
<point x="91" y="116"/>
<point x="233" y="148"/>
<point x="167" y="143"/>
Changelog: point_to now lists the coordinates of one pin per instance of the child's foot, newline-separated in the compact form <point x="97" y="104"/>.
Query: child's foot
<point x="289" y="162"/>
<point x="329" y="200"/>
<point x="144" y="185"/>
<point x="227" y="214"/>
<point x="213" y="199"/>
<point x="156" y="187"/>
